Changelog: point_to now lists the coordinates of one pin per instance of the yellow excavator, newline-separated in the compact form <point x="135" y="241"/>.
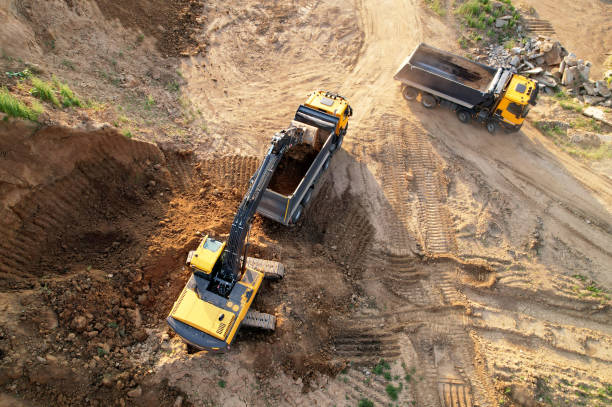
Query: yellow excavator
<point x="217" y="298"/>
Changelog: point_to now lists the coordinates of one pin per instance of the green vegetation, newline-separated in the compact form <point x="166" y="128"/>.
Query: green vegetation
<point x="381" y="367"/>
<point x="68" y="64"/>
<point x="127" y="133"/>
<point x="69" y="99"/>
<point x="149" y="102"/>
<point x="112" y="324"/>
<point x="44" y="91"/>
<point x="586" y="124"/>
<point x="13" y="107"/>
<point x="567" y="102"/>
<point x="101" y="352"/>
<point x="393" y="391"/>
<point x="365" y="403"/>
<point x="222" y="383"/>
<point x="559" y="137"/>
<point x="173" y="86"/>
<point x="20" y="74"/>
<point x="479" y="17"/>
<point x="437" y="7"/>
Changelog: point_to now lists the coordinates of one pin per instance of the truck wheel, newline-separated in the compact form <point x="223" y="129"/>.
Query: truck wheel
<point x="325" y="165"/>
<point x="491" y="127"/>
<point x="297" y="214"/>
<point x="307" y="196"/>
<point x="339" y="143"/>
<point x="410" y="93"/>
<point x="428" y="100"/>
<point x="464" y="116"/>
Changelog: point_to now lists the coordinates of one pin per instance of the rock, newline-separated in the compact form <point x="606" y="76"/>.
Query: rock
<point x="137" y="392"/>
<point x="135" y="317"/>
<point x="584" y="71"/>
<point x="569" y="76"/>
<point x="593" y="100"/>
<point x="152" y="183"/>
<point x="141" y="335"/>
<point x="514" y="61"/>
<point x="552" y="53"/>
<point x="501" y="22"/>
<point x="71" y="336"/>
<point x="157" y="167"/>
<point x="178" y="402"/>
<point x="15" y="372"/>
<point x="548" y="81"/>
<point x="602" y="88"/>
<point x="107" y="381"/>
<point x="589" y="87"/>
<point x="533" y="71"/>
<point x="584" y="138"/>
<point x="595" y="113"/>
<point x="516" y="50"/>
<point x="79" y="323"/>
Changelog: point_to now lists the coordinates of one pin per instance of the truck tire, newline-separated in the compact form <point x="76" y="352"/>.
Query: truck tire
<point x="410" y="93"/>
<point x="491" y="126"/>
<point x="297" y="214"/>
<point x="464" y="116"/>
<point x="307" y="196"/>
<point x="429" y="101"/>
<point x="326" y="164"/>
<point x="339" y="143"/>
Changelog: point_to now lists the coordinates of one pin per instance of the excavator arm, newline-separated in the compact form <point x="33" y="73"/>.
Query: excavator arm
<point x="223" y="282"/>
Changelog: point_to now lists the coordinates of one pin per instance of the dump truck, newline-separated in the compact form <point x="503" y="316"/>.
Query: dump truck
<point x="495" y="97"/>
<point x="324" y="118"/>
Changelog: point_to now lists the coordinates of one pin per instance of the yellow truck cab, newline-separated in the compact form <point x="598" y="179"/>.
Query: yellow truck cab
<point x="513" y="106"/>
<point x="332" y="104"/>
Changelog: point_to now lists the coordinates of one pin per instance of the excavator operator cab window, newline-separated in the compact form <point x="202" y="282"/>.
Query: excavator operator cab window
<point x="212" y="244"/>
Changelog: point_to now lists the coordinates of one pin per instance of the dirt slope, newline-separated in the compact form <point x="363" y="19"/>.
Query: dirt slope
<point x="475" y="266"/>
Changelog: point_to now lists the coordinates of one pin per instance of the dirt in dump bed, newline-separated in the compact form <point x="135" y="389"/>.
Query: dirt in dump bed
<point x="454" y="68"/>
<point x="292" y="168"/>
<point x="173" y="23"/>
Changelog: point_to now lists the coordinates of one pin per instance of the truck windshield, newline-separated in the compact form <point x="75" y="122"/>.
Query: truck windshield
<point x="515" y="109"/>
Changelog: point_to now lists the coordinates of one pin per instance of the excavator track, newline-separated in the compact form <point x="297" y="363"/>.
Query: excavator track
<point x="261" y="320"/>
<point x="272" y="270"/>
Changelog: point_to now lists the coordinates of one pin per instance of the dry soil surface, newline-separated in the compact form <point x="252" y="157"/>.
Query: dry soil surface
<point x="475" y="267"/>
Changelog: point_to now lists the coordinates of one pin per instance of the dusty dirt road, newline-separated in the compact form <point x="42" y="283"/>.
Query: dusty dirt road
<point x="464" y="261"/>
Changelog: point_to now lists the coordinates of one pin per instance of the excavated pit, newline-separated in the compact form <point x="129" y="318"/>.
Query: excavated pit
<point x="97" y="228"/>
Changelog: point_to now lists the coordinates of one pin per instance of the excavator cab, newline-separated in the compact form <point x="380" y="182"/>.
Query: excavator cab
<point x="206" y="260"/>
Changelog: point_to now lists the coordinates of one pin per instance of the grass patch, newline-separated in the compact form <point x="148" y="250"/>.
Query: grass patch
<point x="586" y="124"/>
<point x="567" y="102"/>
<point x="222" y="383"/>
<point x="558" y="136"/>
<point x="127" y="133"/>
<point x="478" y="17"/>
<point x="381" y="367"/>
<point x="149" y="102"/>
<point x="44" y="91"/>
<point x="436" y="7"/>
<point x="392" y="391"/>
<point x="13" y="107"/>
<point x="69" y="99"/>
<point x="365" y="403"/>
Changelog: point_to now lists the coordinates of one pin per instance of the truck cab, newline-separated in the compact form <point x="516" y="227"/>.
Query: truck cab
<point x="513" y="106"/>
<point x="331" y="104"/>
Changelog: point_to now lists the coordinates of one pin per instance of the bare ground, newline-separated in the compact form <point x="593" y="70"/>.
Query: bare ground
<point x="477" y="267"/>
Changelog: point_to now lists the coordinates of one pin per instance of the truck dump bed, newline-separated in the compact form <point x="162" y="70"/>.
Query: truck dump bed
<point x="449" y="76"/>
